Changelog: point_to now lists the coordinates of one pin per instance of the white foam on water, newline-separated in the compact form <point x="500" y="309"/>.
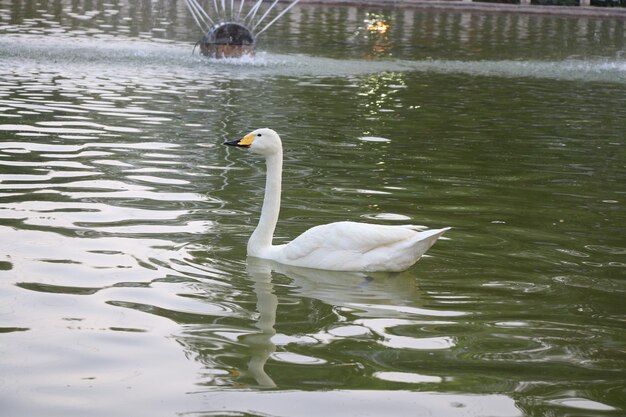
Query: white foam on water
<point x="128" y="55"/>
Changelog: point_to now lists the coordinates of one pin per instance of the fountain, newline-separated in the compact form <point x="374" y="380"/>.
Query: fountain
<point x="229" y="29"/>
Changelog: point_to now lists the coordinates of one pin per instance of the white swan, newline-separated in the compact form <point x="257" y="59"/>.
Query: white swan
<point x="341" y="246"/>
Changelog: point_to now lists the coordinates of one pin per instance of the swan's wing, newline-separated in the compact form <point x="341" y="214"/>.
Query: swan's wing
<point x="347" y="237"/>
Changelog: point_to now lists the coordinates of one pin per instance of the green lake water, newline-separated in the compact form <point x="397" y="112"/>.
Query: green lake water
<point x="124" y="284"/>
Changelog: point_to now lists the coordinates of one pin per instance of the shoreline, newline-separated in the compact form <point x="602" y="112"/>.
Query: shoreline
<point x="469" y="6"/>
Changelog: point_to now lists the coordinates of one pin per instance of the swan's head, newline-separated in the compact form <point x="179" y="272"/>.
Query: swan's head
<point x="262" y="141"/>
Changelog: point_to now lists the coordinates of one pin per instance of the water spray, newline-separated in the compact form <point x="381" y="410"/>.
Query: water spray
<point x="226" y="34"/>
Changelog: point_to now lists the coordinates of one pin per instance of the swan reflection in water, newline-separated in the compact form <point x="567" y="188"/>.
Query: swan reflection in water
<point x="354" y="290"/>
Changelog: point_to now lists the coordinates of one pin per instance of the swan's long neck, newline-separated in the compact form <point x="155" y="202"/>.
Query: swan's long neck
<point x="261" y="239"/>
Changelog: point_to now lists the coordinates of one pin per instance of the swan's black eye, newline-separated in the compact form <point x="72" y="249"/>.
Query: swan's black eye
<point x="258" y="134"/>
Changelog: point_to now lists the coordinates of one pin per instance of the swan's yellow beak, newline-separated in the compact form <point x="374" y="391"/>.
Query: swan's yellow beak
<point x="245" y="142"/>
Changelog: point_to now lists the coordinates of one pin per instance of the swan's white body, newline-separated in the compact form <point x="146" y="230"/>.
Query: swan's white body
<point x="341" y="246"/>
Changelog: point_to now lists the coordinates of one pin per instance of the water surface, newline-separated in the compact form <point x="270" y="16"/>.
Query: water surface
<point x="124" y="285"/>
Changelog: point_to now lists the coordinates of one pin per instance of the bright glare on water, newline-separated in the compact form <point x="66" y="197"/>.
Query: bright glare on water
<point x="124" y="284"/>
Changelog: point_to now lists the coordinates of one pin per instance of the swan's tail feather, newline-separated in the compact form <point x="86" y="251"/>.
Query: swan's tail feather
<point x="424" y="240"/>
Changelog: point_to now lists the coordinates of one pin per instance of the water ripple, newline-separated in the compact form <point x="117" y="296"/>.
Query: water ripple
<point x="387" y="329"/>
<point x="44" y="147"/>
